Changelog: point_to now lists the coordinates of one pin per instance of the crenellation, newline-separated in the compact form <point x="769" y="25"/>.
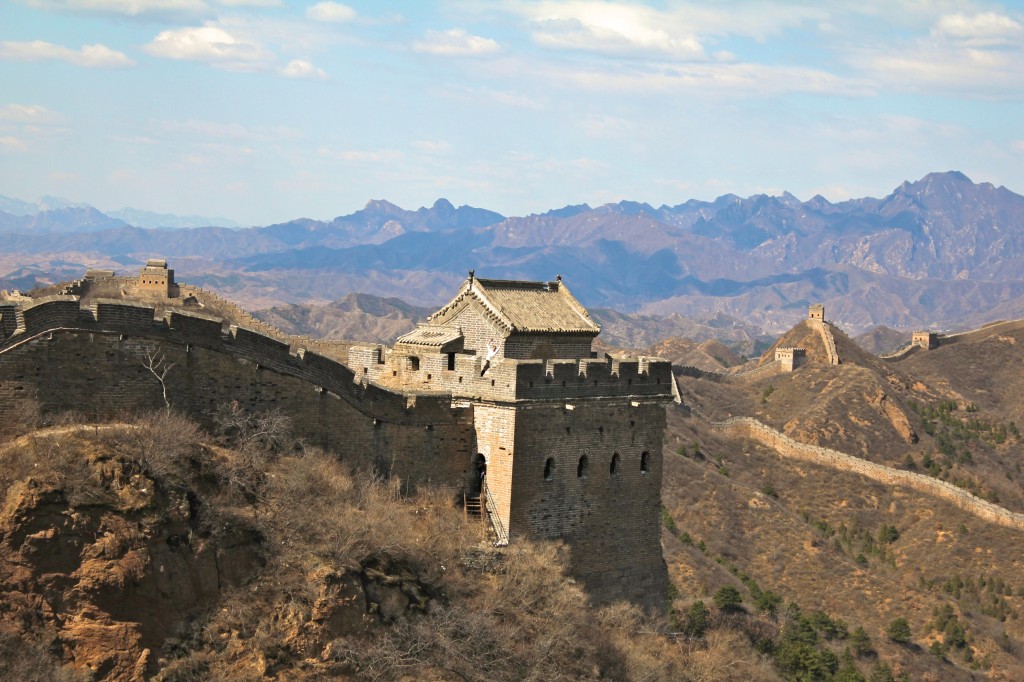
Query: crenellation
<point x="194" y="326"/>
<point x="269" y="349"/>
<point x="48" y="313"/>
<point x="122" y="314"/>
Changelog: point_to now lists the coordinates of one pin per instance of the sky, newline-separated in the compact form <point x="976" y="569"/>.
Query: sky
<point x="263" y="111"/>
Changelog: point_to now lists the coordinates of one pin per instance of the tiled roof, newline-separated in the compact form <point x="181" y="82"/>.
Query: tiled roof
<point x="430" y="335"/>
<point x="525" y="307"/>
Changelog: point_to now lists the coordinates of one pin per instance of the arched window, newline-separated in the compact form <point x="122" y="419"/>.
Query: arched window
<point x="645" y="462"/>
<point x="614" y="468"/>
<point x="549" y="468"/>
<point x="581" y="468"/>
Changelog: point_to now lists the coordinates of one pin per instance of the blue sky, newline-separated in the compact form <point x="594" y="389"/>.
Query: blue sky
<point x="266" y="110"/>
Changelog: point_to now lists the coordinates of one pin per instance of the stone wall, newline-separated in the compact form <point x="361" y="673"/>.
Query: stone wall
<point x="787" y="447"/>
<point x="607" y="506"/>
<point x="825" y="331"/>
<point x="94" y="364"/>
<point x="766" y="370"/>
<point x="511" y="380"/>
<point x="337" y="350"/>
<point x="901" y="354"/>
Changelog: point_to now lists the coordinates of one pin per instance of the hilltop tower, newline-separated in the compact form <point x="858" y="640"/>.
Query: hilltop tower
<point x="926" y="339"/>
<point x="571" y="443"/>
<point x="155" y="279"/>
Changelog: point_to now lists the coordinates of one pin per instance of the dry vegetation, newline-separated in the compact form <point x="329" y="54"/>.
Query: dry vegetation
<point x="858" y="551"/>
<point x="151" y="549"/>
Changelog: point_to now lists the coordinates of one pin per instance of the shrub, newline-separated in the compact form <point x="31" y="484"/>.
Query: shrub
<point x="898" y="631"/>
<point x="698" y="619"/>
<point x="728" y="599"/>
<point x="860" y="643"/>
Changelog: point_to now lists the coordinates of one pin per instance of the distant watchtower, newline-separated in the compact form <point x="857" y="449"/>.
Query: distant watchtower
<point x="816" y="312"/>
<point x="926" y="340"/>
<point x="156" y="279"/>
<point x="790" y="358"/>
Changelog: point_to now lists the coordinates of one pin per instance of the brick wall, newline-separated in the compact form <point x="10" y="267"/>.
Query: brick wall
<point x="611" y="521"/>
<point x="101" y="374"/>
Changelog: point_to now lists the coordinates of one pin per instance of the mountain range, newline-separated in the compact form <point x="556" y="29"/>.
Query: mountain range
<point x="941" y="252"/>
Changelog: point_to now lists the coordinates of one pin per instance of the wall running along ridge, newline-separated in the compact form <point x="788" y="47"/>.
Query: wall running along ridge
<point x="787" y="447"/>
<point x="92" y="361"/>
<point x="825" y="330"/>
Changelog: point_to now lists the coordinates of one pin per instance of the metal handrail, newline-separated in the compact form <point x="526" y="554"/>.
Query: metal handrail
<point x="491" y="507"/>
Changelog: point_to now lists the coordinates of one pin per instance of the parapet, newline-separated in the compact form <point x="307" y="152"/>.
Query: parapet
<point x="48" y="313"/>
<point x="122" y="313"/>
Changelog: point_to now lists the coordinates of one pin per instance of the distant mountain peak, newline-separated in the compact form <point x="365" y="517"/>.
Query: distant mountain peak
<point x="381" y="205"/>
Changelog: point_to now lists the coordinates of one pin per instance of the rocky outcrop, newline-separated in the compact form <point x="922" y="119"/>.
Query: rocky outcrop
<point x="114" y="561"/>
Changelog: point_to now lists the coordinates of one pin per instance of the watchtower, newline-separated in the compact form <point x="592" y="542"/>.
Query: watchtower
<point x="926" y="340"/>
<point x="790" y="358"/>
<point x="571" y="443"/>
<point x="816" y="311"/>
<point x="155" y="279"/>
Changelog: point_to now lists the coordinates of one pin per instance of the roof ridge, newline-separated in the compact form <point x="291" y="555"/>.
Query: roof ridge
<point x="479" y="293"/>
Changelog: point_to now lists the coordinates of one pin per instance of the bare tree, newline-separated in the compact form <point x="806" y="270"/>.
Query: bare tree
<point x="156" y="363"/>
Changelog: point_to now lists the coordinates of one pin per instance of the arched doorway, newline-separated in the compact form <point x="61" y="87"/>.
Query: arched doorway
<point x="479" y="471"/>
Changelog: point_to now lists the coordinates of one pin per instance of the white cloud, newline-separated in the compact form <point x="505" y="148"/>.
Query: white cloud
<point x="1018" y="146"/>
<point x="363" y="155"/>
<point x="455" y="42"/>
<point x="250" y="3"/>
<point x="612" y="28"/>
<point x="300" y="68"/>
<point x="709" y="79"/>
<point x="333" y="12"/>
<point x="11" y="142"/>
<point x="678" y="32"/>
<point x="967" y="71"/>
<point x="213" y="45"/>
<point x="988" y="28"/>
<point x="432" y="146"/>
<point x="28" y="113"/>
<point x="217" y="130"/>
<point x="132" y="8"/>
<point x="89" y="56"/>
<point x="607" y="127"/>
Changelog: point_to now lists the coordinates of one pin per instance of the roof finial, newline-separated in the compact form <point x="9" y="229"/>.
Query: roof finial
<point x="558" y="277"/>
<point x="472" y="274"/>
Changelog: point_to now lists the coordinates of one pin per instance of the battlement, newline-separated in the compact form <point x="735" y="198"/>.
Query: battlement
<point x="131" y="319"/>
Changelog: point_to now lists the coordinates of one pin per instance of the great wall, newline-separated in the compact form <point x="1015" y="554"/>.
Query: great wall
<point x="748" y="427"/>
<point x="572" y="443"/>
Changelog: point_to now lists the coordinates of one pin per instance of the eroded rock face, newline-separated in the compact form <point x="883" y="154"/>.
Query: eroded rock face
<point x="894" y="414"/>
<point x="115" y="566"/>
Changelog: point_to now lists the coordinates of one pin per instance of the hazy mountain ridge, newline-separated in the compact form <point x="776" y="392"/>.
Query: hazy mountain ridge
<point x="128" y="216"/>
<point x="939" y="252"/>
